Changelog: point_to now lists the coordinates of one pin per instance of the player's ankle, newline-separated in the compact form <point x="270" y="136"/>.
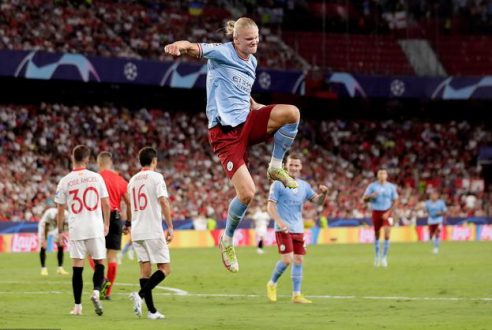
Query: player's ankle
<point x="275" y="163"/>
<point x="227" y="239"/>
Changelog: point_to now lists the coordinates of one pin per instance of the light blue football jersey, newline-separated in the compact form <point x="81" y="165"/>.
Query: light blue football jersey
<point x="386" y="195"/>
<point x="229" y="82"/>
<point x="434" y="207"/>
<point x="290" y="203"/>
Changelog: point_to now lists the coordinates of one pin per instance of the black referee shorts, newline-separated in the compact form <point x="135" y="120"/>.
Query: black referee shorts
<point x="113" y="240"/>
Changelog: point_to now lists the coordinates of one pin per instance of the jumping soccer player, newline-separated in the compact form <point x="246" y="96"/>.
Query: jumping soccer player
<point x="47" y="226"/>
<point x="85" y="195"/>
<point x="149" y="203"/>
<point x="117" y="189"/>
<point x="236" y="121"/>
<point x="285" y="207"/>
<point x="384" y="199"/>
<point x="436" y="208"/>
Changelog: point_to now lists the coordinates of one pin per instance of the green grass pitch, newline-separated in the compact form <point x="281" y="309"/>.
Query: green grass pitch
<point x="418" y="290"/>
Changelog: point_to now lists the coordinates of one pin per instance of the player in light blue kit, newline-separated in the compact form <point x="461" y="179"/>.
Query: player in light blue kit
<point x="236" y="121"/>
<point x="384" y="199"/>
<point x="285" y="207"/>
<point x="436" y="208"/>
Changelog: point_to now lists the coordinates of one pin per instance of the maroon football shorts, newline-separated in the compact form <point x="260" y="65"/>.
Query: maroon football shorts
<point x="434" y="229"/>
<point x="377" y="220"/>
<point x="290" y="242"/>
<point x="231" y="144"/>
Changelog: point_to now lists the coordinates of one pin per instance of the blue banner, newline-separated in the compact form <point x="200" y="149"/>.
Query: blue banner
<point x="77" y="67"/>
<point x="435" y="88"/>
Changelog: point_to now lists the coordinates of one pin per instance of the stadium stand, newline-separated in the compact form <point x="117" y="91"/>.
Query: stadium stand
<point x="129" y="30"/>
<point x="36" y="141"/>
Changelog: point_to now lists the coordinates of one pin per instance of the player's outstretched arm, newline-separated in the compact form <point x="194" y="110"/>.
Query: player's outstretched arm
<point x="182" y="47"/>
<point x="166" y="212"/>
<point x="272" y="210"/>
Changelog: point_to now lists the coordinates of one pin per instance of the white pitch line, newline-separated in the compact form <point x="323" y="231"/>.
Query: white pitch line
<point x="179" y="292"/>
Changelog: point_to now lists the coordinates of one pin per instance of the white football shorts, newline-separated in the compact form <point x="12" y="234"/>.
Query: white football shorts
<point x="154" y="250"/>
<point x="94" y="247"/>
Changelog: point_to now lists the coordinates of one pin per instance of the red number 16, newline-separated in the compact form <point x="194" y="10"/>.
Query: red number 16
<point x="137" y="202"/>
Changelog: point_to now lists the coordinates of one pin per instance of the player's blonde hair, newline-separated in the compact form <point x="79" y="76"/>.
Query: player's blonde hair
<point x="105" y="157"/>
<point x="233" y="27"/>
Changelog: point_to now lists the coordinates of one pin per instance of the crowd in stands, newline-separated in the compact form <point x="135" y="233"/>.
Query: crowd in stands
<point x="36" y="141"/>
<point x="124" y="28"/>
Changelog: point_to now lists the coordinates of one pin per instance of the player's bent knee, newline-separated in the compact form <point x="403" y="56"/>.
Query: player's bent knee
<point x="246" y="197"/>
<point x="295" y="113"/>
<point x="290" y="114"/>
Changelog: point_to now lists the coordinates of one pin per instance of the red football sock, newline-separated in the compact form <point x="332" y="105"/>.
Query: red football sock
<point x="112" y="267"/>
<point x="91" y="262"/>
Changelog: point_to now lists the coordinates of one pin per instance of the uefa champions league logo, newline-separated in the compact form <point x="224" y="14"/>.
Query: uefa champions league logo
<point x="447" y="91"/>
<point x="264" y="80"/>
<point x="46" y="71"/>
<point x="352" y="86"/>
<point x="130" y="71"/>
<point x="397" y="87"/>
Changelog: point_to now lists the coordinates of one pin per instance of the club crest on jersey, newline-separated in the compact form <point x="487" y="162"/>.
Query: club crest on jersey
<point x="282" y="247"/>
<point x="295" y="191"/>
<point x="230" y="165"/>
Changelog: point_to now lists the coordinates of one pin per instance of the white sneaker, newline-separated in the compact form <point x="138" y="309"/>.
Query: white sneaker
<point x="155" y="316"/>
<point x="376" y="262"/>
<point x="260" y="251"/>
<point x="384" y="262"/>
<point x="137" y="303"/>
<point x="76" y="310"/>
<point x="119" y="258"/>
<point x="97" y="303"/>
<point x="436" y="250"/>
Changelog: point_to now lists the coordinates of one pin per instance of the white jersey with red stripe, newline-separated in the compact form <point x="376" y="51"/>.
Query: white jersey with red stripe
<point x="82" y="190"/>
<point x="145" y="189"/>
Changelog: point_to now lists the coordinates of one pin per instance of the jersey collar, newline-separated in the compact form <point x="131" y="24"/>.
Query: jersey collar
<point x="78" y="169"/>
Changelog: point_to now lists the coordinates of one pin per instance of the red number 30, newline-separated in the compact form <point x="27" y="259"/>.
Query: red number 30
<point x="79" y="204"/>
